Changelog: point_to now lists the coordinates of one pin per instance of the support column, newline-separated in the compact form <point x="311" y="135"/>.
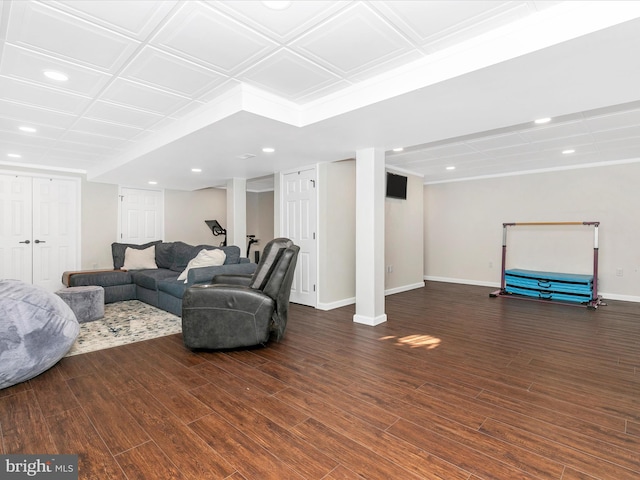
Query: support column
<point x="237" y="213"/>
<point x="370" y="178"/>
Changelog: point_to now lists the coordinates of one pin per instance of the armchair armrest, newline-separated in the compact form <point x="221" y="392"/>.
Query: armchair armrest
<point x="232" y="279"/>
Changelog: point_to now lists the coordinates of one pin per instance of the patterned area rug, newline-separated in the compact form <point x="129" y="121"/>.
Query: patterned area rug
<point x="125" y="322"/>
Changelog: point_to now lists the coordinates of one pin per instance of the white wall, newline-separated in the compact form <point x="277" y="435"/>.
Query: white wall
<point x="404" y="246"/>
<point x="260" y="219"/>
<point x="336" y="234"/>
<point x="185" y="213"/>
<point x="463" y="226"/>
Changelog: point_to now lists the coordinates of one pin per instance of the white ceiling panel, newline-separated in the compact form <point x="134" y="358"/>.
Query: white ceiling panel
<point x="149" y="82"/>
<point x="112" y="113"/>
<point x="300" y="17"/>
<point x="139" y="96"/>
<point x="372" y="42"/>
<point x="28" y="65"/>
<point x="30" y="94"/>
<point x="209" y="37"/>
<point x="496" y="141"/>
<point x="427" y="20"/>
<point x="85" y="138"/>
<point x="617" y="134"/>
<point x="35" y="25"/>
<point x="34" y="115"/>
<point x="613" y="120"/>
<point x="123" y="132"/>
<point x="136" y="18"/>
<point x="44" y="131"/>
<point x="289" y="75"/>
<point x="554" y="131"/>
<point x="17" y="138"/>
<point x="160" y="69"/>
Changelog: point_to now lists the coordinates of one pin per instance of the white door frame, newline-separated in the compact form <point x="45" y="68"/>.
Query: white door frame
<point x="281" y="212"/>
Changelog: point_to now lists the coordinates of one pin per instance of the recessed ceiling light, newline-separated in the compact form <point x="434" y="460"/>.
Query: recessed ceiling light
<point x="268" y="150"/>
<point x="399" y="149"/>
<point x="451" y="167"/>
<point x="55" y="75"/>
<point x="27" y="129"/>
<point x="14" y="155"/>
<point x="540" y="121"/>
<point x="568" y="151"/>
<point x="277" y="4"/>
<point x="152" y="182"/>
<point x="196" y="170"/>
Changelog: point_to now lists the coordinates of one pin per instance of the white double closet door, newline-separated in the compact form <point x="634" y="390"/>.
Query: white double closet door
<point x="39" y="228"/>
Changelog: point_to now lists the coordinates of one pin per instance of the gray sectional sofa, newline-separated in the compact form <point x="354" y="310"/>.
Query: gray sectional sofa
<point x="160" y="286"/>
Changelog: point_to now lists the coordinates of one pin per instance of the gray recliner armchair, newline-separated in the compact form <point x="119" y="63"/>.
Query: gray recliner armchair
<point x="242" y="310"/>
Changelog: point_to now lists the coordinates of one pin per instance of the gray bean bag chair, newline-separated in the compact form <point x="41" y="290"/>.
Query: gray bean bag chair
<point x="36" y="330"/>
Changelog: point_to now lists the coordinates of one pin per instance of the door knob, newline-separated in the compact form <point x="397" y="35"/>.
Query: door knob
<point x="39" y="241"/>
<point x="26" y="241"/>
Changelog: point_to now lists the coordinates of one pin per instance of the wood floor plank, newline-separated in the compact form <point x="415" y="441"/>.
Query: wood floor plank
<point x="23" y="427"/>
<point x="73" y="433"/>
<point x="455" y="385"/>
<point x="118" y="429"/>
<point x="149" y="462"/>
<point x="245" y="454"/>
<point x="188" y="452"/>
<point x="303" y="457"/>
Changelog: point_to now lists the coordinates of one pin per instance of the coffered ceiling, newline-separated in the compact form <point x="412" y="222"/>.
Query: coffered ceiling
<point x="158" y="88"/>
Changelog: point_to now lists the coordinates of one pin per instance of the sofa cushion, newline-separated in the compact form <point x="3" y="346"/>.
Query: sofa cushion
<point x="137" y="259"/>
<point x="205" y="258"/>
<point x="175" y="288"/>
<point x="164" y="254"/>
<point x="149" y="278"/>
<point x="118" y="251"/>
<point x="107" y="278"/>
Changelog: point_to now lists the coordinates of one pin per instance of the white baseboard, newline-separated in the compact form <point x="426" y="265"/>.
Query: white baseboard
<point x="464" y="281"/>
<point x="337" y="304"/>
<point x="615" y="296"/>
<point x="404" y="288"/>
<point x="350" y="301"/>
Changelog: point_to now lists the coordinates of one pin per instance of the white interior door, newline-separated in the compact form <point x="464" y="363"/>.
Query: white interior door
<point x="141" y="215"/>
<point x="15" y="228"/>
<point x="55" y="226"/>
<point x="39" y="229"/>
<point x="299" y="201"/>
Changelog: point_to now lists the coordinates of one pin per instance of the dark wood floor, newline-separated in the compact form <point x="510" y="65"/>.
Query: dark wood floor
<point x="456" y="385"/>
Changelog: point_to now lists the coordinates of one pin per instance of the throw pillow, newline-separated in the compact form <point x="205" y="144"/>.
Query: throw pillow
<point x="206" y="258"/>
<point x="135" y="259"/>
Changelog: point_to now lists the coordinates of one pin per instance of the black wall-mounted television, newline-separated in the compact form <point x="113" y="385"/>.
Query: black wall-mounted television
<point x="396" y="186"/>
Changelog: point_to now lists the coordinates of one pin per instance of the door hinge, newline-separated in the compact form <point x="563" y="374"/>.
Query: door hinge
<point x="314" y="288"/>
<point x="313" y="182"/>
<point x="314" y="235"/>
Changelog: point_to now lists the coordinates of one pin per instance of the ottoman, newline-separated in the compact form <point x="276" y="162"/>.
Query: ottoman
<point x="86" y="302"/>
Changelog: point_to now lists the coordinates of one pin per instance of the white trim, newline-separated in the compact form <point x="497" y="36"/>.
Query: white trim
<point x="393" y="168"/>
<point x="464" y="281"/>
<point x="338" y="304"/>
<point x="371" y="321"/>
<point x="44" y="167"/>
<point x="623" y="298"/>
<point x="403" y="288"/>
<point x="542" y="170"/>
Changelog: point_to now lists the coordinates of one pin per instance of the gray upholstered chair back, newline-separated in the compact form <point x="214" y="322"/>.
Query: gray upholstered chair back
<point x="270" y="255"/>
<point x="278" y="287"/>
